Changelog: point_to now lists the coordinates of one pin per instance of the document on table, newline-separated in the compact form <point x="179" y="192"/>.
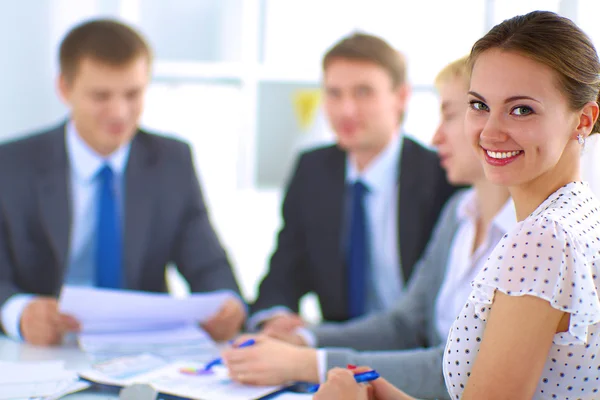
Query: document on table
<point x="65" y="389"/>
<point x="36" y="379"/>
<point x="108" y="310"/>
<point x="168" y="378"/>
<point x="187" y="342"/>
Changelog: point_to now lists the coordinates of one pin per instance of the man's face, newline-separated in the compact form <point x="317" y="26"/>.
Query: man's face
<point x="106" y="101"/>
<point x="362" y="104"/>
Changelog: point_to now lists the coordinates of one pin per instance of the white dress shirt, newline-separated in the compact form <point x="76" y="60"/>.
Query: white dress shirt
<point x="84" y="166"/>
<point x="386" y="280"/>
<point x="381" y="178"/>
<point x="464" y="263"/>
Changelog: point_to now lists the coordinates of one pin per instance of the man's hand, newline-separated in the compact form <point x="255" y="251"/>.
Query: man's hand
<point x="287" y="337"/>
<point x="270" y="362"/>
<point x="42" y="324"/>
<point x="282" y="323"/>
<point x="282" y="327"/>
<point x="227" y="322"/>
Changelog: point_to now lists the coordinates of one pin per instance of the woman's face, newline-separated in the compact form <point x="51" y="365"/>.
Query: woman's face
<point x="519" y="121"/>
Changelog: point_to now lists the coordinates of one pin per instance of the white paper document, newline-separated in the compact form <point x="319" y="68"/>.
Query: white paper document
<point x="294" y="396"/>
<point x="170" y="378"/>
<point x="65" y="389"/>
<point x="107" y="310"/>
<point x="35" y="379"/>
<point x="187" y="342"/>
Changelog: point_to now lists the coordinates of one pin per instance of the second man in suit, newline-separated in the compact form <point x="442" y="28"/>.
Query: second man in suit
<point x="405" y="344"/>
<point x="98" y="201"/>
<point x="357" y="215"/>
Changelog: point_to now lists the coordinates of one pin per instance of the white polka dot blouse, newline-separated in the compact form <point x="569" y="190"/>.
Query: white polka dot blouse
<point x="554" y="254"/>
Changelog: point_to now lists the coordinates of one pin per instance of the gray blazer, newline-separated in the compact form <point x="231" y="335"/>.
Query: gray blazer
<point x="165" y="217"/>
<point x="402" y="344"/>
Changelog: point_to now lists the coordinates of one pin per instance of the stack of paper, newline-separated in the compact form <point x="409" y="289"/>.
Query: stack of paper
<point x="37" y="379"/>
<point x="186" y="342"/>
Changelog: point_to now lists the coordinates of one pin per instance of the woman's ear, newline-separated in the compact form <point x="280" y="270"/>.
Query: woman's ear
<point x="587" y="118"/>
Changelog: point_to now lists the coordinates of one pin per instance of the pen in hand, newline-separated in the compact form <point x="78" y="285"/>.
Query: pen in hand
<point x="219" y="360"/>
<point x="359" y="378"/>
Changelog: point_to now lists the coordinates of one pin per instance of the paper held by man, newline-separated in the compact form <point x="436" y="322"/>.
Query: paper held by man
<point x="110" y="311"/>
<point x="117" y="323"/>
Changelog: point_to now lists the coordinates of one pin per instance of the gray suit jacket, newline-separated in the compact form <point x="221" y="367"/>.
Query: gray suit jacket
<point x="165" y="217"/>
<point x="402" y="344"/>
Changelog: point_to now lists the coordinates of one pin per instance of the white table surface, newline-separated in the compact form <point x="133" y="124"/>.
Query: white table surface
<point x="74" y="359"/>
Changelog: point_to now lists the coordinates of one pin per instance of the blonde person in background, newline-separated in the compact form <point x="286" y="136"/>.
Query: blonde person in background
<point x="531" y="327"/>
<point x="406" y="344"/>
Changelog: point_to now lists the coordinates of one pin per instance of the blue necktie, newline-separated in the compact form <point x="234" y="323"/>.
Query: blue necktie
<point x="109" y="246"/>
<point x="358" y="252"/>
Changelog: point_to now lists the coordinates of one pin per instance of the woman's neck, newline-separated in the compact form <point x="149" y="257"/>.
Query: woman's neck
<point x="529" y="196"/>
<point x="490" y="200"/>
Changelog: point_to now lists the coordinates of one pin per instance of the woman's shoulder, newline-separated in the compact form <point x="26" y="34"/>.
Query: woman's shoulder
<point x="571" y="215"/>
<point x="570" y="204"/>
<point x="558" y="242"/>
<point x="553" y="254"/>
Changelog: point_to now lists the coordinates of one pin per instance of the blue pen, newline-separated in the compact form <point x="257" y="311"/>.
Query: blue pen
<point x="359" y="378"/>
<point x="219" y="360"/>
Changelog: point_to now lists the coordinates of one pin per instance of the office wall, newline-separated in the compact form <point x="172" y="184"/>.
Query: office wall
<point x="200" y="30"/>
<point x="27" y="93"/>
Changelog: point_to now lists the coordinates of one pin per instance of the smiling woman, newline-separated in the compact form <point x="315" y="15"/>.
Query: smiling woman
<point x="530" y="113"/>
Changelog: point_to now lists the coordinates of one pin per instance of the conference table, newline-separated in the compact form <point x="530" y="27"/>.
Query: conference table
<point x="76" y="360"/>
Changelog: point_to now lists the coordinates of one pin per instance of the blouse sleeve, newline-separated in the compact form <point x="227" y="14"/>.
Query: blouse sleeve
<point x="542" y="259"/>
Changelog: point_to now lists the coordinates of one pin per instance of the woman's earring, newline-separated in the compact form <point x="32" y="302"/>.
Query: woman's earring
<point x="580" y="139"/>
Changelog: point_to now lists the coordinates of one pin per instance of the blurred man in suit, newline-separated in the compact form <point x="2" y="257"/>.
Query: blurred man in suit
<point x="357" y="215"/>
<point x="98" y="201"/>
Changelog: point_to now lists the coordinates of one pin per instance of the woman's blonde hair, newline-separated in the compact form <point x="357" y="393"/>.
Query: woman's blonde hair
<point x="456" y="69"/>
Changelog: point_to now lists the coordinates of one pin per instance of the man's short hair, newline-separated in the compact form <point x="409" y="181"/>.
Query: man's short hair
<point x="105" y="40"/>
<point x="364" y="47"/>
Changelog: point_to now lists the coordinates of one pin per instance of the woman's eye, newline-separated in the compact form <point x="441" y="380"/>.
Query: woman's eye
<point x="478" y="105"/>
<point x="522" y="111"/>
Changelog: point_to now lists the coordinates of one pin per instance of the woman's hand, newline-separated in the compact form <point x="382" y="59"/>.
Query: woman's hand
<point x="341" y="385"/>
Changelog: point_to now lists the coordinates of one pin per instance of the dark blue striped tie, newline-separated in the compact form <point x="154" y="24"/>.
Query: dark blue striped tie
<point x="358" y="252"/>
<point x="109" y="247"/>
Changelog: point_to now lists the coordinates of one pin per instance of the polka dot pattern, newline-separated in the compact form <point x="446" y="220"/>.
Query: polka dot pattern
<point x="554" y="254"/>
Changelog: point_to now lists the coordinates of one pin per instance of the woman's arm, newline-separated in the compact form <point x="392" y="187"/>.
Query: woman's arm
<point x="517" y="339"/>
